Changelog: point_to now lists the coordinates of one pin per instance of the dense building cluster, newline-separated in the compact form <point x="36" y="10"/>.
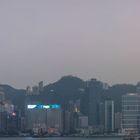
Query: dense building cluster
<point x="10" y="117"/>
<point x="87" y="115"/>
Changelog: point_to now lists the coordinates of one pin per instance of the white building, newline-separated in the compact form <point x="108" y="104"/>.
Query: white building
<point x="55" y="119"/>
<point x="131" y="113"/>
<point x="36" y="117"/>
<point x="35" y="90"/>
<point x="83" y="122"/>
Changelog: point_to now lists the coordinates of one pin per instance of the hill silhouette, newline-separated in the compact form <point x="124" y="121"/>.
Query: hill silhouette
<point x="66" y="89"/>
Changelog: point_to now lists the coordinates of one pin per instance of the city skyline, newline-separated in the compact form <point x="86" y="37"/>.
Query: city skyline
<point x="44" y="40"/>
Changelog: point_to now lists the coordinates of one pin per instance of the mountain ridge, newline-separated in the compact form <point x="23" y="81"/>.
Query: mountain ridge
<point x="65" y="89"/>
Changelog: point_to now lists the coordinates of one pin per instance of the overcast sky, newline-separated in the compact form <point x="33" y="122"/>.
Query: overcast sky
<point x="47" y="39"/>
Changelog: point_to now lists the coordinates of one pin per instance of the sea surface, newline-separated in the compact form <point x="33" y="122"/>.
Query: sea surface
<point x="60" y="138"/>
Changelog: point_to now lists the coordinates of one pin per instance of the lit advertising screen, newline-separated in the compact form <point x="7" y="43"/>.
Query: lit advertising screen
<point x="54" y="106"/>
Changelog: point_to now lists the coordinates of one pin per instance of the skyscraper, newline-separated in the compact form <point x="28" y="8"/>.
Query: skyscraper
<point x="2" y="96"/>
<point x="35" y="118"/>
<point x="55" y="120"/>
<point x="118" y="119"/>
<point x="131" y="113"/>
<point x="83" y="121"/>
<point x="84" y="104"/>
<point x="94" y="92"/>
<point x="40" y="85"/>
<point x="109" y="116"/>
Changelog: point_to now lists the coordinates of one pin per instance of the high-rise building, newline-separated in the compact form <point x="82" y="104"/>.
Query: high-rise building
<point x="41" y="117"/>
<point x="84" y="104"/>
<point x="102" y="116"/>
<point x="105" y="86"/>
<point x="83" y="121"/>
<point x="40" y="85"/>
<point x="35" y="90"/>
<point x="131" y="113"/>
<point x="138" y="87"/>
<point x="2" y="96"/>
<point x="118" y="119"/>
<point x="109" y="115"/>
<point x="66" y="120"/>
<point x="35" y="117"/>
<point x="28" y="90"/>
<point x="73" y="109"/>
<point x="13" y="123"/>
<point x="94" y="89"/>
<point x="77" y="106"/>
<point x="55" y="120"/>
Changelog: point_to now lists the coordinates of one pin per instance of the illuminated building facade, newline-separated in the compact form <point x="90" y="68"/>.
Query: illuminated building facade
<point x="35" y="117"/>
<point x="55" y="106"/>
<point x="43" y="116"/>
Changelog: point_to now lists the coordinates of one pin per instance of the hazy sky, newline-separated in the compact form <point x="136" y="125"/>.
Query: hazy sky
<point x="47" y="39"/>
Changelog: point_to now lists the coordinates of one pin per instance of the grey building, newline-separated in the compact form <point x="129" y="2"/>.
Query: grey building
<point x="118" y="120"/>
<point x="66" y="121"/>
<point x="94" y="92"/>
<point x="83" y="121"/>
<point x="109" y="115"/>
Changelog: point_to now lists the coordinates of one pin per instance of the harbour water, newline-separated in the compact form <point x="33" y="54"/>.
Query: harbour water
<point x="61" y="138"/>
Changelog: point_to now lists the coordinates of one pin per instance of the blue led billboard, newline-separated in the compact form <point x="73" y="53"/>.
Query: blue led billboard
<point x="54" y="106"/>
